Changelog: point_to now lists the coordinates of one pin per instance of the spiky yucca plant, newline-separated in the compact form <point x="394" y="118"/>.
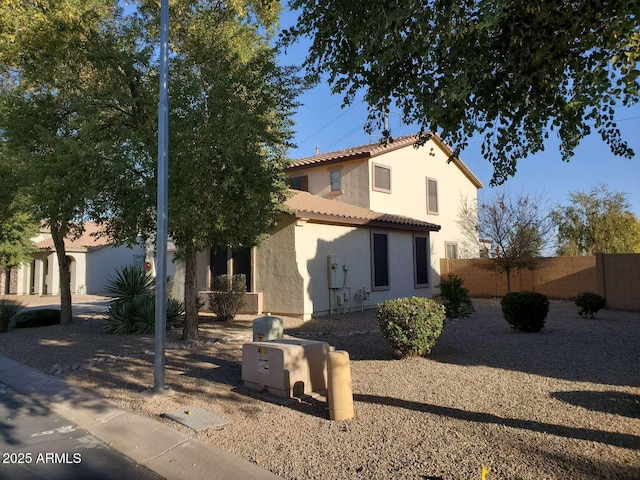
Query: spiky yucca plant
<point x="131" y="282"/>
<point x="138" y="315"/>
<point x="133" y="308"/>
<point x="9" y="308"/>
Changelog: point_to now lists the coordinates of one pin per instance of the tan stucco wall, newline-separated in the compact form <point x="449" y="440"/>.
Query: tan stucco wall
<point x="410" y="168"/>
<point x="276" y="272"/>
<point x="315" y="242"/>
<point x="354" y="181"/>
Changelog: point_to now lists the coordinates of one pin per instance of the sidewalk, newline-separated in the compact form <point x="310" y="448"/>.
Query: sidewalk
<point x="169" y="453"/>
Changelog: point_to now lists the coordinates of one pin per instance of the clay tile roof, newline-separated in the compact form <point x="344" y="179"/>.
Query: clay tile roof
<point x="361" y="151"/>
<point x="307" y="205"/>
<point x="86" y="240"/>
<point x="374" y="149"/>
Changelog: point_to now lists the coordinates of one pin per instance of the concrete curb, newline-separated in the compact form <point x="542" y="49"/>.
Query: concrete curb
<point x="152" y="444"/>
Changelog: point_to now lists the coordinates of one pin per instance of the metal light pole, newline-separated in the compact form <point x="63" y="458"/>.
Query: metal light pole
<point x="162" y="229"/>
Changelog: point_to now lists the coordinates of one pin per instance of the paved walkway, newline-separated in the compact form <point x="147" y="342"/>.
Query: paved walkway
<point x="131" y="437"/>
<point x="40" y="445"/>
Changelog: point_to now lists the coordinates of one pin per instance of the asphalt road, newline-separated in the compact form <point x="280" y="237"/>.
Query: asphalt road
<point x="36" y="444"/>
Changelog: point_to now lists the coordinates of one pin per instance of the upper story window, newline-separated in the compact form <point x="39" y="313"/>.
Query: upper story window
<point x="299" y="183"/>
<point x="335" y="177"/>
<point x="432" y="196"/>
<point x="381" y="178"/>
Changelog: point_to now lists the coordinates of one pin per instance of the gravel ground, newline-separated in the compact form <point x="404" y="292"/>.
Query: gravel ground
<point x="560" y="404"/>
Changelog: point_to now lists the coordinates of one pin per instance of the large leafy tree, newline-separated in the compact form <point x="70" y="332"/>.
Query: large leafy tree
<point x="229" y="129"/>
<point x="515" y="230"/>
<point x="508" y="71"/>
<point x="50" y="118"/>
<point x="596" y="221"/>
<point x="230" y="105"/>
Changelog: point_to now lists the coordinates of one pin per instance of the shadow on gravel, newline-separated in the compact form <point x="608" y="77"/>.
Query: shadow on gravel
<point x="610" y="438"/>
<point x="568" y="347"/>
<point x="616" y="403"/>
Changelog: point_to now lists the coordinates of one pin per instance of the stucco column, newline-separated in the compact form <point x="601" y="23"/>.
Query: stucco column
<point x="38" y="276"/>
<point x="53" y="276"/>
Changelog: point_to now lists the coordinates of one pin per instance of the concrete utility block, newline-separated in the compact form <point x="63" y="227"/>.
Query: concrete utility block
<point x="267" y="328"/>
<point x="286" y="367"/>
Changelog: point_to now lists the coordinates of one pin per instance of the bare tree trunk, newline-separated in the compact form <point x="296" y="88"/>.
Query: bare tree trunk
<point x="190" y="331"/>
<point x="58" y="233"/>
<point x="508" y="280"/>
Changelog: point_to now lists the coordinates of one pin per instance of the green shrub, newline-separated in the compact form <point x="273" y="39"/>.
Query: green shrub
<point x="227" y="296"/>
<point x="589" y="304"/>
<point x="410" y="325"/>
<point x="525" y="311"/>
<point x="138" y="315"/>
<point x="42" y="317"/>
<point x="455" y="297"/>
<point x="129" y="283"/>
<point x="9" y="308"/>
<point x="133" y="310"/>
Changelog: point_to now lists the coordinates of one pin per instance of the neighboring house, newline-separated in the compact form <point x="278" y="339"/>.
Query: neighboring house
<point x="92" y="261"/>
<point x="365" y="224"/>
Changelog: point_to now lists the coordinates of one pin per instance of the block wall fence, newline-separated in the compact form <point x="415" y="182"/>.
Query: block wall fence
<point x="614" y="276"/>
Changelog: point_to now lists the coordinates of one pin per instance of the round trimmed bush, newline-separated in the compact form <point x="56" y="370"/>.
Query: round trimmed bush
<point x="525" y="311"/>
<point x="589" y="304"/>
<point x="410" y="325"/>
<point x="455" y="297"/>
<point x="42" y="317"/>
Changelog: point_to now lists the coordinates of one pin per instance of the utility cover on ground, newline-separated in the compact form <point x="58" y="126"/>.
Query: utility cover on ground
<point x="196" y="418"/>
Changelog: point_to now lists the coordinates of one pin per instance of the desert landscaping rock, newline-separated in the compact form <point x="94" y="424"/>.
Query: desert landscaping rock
<point x="561" y="404"/>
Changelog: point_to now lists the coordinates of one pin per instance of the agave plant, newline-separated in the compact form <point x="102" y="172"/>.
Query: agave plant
<point x="8" y="310"/>
<point x="130" y="283"/>
<point x="138" y="315"/>
<point x="133" y="308"/>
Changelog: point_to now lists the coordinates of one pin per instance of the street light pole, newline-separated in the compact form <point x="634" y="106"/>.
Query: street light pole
<point x="162" y="205"/>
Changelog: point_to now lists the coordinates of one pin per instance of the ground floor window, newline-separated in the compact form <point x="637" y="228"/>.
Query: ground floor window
<point x="452" y="250"/>
<point x="421" y="261"/>
<point x="380" y="260"/>
<point x="227" y="261"/>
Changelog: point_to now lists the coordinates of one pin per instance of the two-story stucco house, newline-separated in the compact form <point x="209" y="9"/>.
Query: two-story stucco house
<point x="363" y="225"/>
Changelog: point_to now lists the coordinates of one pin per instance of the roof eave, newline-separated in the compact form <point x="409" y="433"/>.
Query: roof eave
<point x="329" y="161"/>
<point x="361" y="222"/>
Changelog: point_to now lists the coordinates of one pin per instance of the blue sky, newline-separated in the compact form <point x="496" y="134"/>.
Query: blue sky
<point x="322" y="122"/>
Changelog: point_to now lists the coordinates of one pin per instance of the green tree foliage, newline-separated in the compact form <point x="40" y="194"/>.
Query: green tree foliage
<point x="509" y="71"/>
<point x="596" y="221"/>
<point x="17" y="225"/>
<point x="50" y="118"/>
<point x="79" y="103"/>
<point x="229" y="129"/>
<point x="517" y="229"/>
